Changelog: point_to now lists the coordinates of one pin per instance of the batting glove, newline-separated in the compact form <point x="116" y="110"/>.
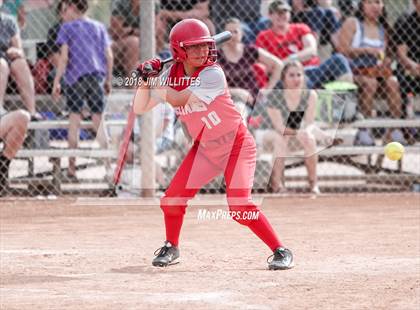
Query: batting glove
<point x="150" y="68"/>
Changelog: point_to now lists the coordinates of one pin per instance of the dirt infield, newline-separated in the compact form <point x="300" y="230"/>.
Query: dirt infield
<point x="351" y="252"/>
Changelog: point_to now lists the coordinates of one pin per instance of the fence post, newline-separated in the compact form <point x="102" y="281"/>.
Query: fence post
<point x="147" y="145"/>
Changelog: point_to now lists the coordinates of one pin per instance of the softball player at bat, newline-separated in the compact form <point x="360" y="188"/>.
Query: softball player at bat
<point x="196" y="87"/>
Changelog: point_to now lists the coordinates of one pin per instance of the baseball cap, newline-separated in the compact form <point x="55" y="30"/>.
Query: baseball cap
<point x="279" y="6"/>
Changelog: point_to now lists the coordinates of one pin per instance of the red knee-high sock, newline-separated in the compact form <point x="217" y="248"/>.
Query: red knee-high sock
<point x="173" y="226"/>
<point x="263" y="229"/>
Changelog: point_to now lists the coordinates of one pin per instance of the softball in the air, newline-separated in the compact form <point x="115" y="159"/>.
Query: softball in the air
<point x="394" y="150"/>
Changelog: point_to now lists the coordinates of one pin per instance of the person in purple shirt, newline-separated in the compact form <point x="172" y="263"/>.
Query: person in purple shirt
<point x="86" y="62"/>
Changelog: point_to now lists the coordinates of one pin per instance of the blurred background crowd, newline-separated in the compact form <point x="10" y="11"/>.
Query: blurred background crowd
<point x="283" y="53"/>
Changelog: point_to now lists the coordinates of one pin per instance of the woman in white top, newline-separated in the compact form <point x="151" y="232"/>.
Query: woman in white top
<point x="366" y="39"/>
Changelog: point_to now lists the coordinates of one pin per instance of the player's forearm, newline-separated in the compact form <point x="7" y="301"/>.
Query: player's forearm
<point x="143" y="102"/>
<point x="173" y="97"/>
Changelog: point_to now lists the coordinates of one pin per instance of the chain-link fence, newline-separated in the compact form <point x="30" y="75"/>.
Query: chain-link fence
<point x="322" y="86"/>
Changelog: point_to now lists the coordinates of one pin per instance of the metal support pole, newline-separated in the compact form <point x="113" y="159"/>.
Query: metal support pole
<point x="147" y="145"/>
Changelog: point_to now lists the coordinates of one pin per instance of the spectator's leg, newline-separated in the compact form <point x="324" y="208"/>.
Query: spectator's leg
<point x="73" y="138"/>
<point x="311" y="157"/>
<point x="25" y="83"/>
<point x="101" y="134"/>
<point x="277" y="183"/>
<point x="334" y="68"/>
<point x="343" y="69"/>
<point x="404" y="89"/>
<point x="13" y="128"/>
<point x="280" y="147"/>
<point x="95" y="97"/>
<point x="393" y="97"/>
<point x="4" y="77"/>
<point x="367" y="90"/>
<point x="75" y="95"/>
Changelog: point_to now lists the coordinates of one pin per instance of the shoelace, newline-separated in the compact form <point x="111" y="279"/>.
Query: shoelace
<point x="161" y="251"/>
<point x="280" y="253"/>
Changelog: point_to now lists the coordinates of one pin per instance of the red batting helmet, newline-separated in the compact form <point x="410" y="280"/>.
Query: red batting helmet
<point x="191" y="32"/>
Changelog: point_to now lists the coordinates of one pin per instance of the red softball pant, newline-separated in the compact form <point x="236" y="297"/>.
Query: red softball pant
<point x="236" y="160"/>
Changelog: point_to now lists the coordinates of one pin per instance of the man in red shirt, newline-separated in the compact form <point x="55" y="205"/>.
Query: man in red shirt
<point x="290" y="41"/>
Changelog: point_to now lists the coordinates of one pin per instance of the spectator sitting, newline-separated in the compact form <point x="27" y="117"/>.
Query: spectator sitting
<point x="237" y="59"/>
<point x="407" y="38"/>
<point x="86" y="60"/>
<point x="44" y="69"/>
<point x="15" y="8"/>
<point x="366" y="40"/>
<point x="292" y="114"/>
<point x="322" y="20"/>
<point x="125" y="32"/>
<point x="292" y="42"/>
<point x="12" y="60"/>
<point x="13" y="126"/>
<point x="247" y="11"/>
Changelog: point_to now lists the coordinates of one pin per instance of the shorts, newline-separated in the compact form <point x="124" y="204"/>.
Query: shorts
<point x="7" y="59"/>
<point x="88" y="89"/>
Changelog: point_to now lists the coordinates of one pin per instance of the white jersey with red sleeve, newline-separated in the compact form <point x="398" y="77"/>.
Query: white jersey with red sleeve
<point x="214" y="114"/>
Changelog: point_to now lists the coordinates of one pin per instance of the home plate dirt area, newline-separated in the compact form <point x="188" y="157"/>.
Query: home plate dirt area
<point x="351" y="252"/>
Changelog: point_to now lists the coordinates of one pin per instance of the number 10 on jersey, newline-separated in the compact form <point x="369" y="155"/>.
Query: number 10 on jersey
<point x="211" y="120"/>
